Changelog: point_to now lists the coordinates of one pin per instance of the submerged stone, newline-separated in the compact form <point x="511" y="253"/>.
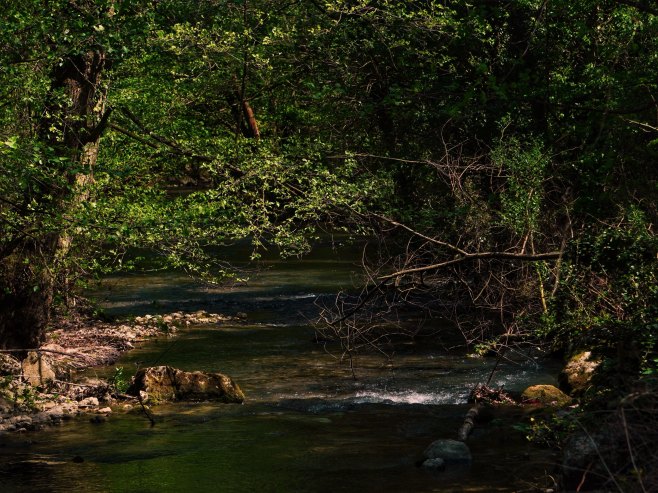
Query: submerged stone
<point x="164" y="383"/>
<point x="450" y="451"/>
<point x="437" y="464"/>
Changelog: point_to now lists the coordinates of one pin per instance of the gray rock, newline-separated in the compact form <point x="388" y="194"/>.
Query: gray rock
<point x="588" y="452"/>
<point x="437" y="464"/>
<point x="164" y="383"/>
<point x="451" y="451"/>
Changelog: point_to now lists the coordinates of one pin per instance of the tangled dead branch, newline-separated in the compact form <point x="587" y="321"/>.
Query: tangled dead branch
<point x="473" y="270"/>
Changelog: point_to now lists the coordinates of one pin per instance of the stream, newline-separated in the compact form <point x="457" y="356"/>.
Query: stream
<point x="306" y="426"/>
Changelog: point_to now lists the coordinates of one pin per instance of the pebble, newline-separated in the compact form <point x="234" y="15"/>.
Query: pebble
<point x="89" y="402"/>
<point x="20" y="420"/>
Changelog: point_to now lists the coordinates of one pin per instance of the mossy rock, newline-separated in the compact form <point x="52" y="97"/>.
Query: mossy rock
<point x="164" y="383"/>
<point x="545" y="395"/>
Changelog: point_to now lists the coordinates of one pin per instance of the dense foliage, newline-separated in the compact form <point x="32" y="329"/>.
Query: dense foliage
<point x="504" y="153"/>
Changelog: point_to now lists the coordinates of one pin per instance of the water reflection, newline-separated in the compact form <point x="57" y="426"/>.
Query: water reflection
<point x="307" y="426"/>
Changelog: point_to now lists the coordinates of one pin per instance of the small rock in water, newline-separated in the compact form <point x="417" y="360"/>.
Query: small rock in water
<point x="438" y="464"/>
<point x="451" y="451"/>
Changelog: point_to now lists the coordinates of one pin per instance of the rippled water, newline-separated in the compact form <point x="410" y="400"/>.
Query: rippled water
<point x="307" y="425"/>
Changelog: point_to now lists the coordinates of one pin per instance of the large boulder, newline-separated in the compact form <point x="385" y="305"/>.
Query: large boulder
<point x="545" y="395"/>
<point x="450" y="451"/>
<point x="591" y="461"/>
<point x="37" y="370"/>
<point x="576" y="376"/>
<point x="164" y="383"/>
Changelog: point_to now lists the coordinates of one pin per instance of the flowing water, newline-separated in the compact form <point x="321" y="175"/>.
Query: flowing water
<point x="307" y="425"/>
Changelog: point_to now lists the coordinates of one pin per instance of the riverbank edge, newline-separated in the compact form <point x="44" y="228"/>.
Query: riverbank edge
<point x="40" y="387"/>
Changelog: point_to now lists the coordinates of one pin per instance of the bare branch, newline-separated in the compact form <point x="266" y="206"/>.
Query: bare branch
<point x="420" y="235"/>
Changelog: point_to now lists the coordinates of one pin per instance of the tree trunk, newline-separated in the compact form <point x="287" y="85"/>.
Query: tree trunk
<point x="37" y="267"/>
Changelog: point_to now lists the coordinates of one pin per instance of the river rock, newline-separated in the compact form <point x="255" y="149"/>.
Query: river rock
<point x="545" y="395"/>
<point x="6" y="407"/>
<point x="436" y="464"/>
<point x="576" y="376"/>
<point x="164" y="383"/>
<point x="450" y="451"/>
<point x="36" y="369"/>
<point x="9" y="365"/>
<point x="598" y="453"/>
<point x="89" y="402"/>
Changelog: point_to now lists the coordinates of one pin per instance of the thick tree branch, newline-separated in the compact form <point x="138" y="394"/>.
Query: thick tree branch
<point x="95" y="133"/>
<point x="478" y="256"/>
<point x="133" y="136"/>
<point x="170" y="143"/>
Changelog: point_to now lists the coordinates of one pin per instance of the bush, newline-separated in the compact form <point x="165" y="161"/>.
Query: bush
<point x="607" y="301"/>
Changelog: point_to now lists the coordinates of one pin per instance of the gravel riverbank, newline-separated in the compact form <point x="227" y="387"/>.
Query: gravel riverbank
<point x="40" y="387"/>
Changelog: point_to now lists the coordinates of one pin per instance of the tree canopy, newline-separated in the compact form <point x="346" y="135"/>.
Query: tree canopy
<point x="504" y="154"/>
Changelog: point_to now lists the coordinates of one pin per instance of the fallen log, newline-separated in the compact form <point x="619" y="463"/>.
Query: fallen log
<point x="481" y="396"/>
<point x="469" y="422"/>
